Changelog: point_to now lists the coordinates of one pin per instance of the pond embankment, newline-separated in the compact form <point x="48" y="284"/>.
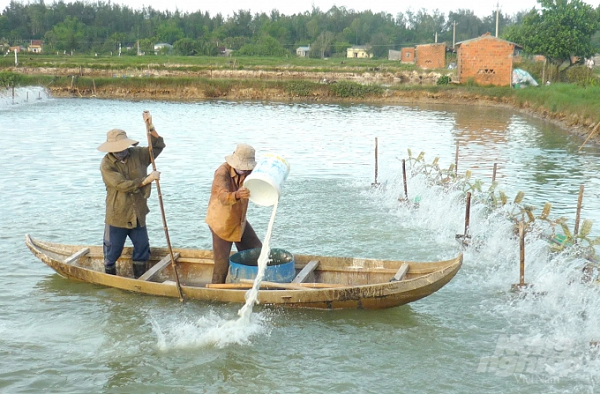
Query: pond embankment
<point x="399" y="87"/>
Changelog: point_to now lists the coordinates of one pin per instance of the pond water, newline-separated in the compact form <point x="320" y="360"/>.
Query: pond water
<point x="474" y="335"/>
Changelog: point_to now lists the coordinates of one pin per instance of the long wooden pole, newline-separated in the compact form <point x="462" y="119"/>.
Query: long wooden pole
<point x="162" y="211"/>
<point x="589" y="136"/>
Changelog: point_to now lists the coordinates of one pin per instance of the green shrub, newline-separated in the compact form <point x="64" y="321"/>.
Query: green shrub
<point x="7" y="79"/>
<point x="300" y="88"/>
<point x="352" y="89"/>
<point x="443" y="80"/>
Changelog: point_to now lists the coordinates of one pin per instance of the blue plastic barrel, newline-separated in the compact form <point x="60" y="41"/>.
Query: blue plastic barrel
<point x="244" y="265"/>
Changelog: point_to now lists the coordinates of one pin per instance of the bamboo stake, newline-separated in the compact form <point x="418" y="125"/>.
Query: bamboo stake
<point x="466" y="235"/>
<point x="494" y="172"/>
<point x="577" y="215"/>
<point x="162" y="211"/>
<point x="590" y="135"/>
<point x="375" y="183"/>
<point x="456" y="160"/>
<point x="404" y="179"/>
<point x="522" y="253"/>
<point x="468" y="213"/>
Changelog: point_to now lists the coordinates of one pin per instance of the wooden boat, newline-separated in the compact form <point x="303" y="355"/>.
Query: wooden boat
<point x="321" y="283"/>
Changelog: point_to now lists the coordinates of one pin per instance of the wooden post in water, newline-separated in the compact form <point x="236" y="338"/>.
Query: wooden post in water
<point x="375" y="183"/>
<point x="522" y="253"/>
<point x="404" y="179"/>
<point x="494" y="172"/>
<point x="456" y="160"/>
<point x="577" y="215"/>
<point x="466" y="235"/>
<point x="521" y="284"/>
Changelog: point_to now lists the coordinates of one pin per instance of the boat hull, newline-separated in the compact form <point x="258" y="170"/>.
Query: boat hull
<point x="355" y="283"/>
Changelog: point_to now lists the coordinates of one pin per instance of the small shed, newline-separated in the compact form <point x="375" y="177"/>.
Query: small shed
<point x="431" y="56"/>
<point x="408" y="55"/>
<point x="302" y="51"/>
<point x="35" y="46"/>
<point x="359" y="52"/>
<point x="394" y="55"/>
<point x="487" y="60"/>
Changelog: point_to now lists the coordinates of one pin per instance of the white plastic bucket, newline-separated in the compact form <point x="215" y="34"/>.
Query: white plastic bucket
<point x="266" y="180"/>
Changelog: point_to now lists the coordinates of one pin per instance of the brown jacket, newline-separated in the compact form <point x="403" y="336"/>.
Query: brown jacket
<point x="226" y="216"/>
<point x="126" y="205"/>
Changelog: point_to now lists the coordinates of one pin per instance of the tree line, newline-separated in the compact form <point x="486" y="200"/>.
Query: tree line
<point x="106" y="27"/>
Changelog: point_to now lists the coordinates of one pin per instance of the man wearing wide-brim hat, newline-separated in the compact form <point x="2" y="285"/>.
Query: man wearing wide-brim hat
<point x="124" y="171"/>
<point x="227" y="207"/>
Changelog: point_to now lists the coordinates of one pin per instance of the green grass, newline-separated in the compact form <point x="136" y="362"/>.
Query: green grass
<point x="561" y="98"/>
<point x="200" y="63"/>
<point x="565" y="98"/>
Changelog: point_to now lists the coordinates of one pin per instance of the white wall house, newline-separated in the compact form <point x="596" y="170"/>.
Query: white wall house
<point x="302" y="51"/>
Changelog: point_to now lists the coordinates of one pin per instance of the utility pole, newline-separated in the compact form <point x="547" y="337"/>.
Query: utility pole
<point x="16" y="58"/>
<point x="497" y="13"/>
<point x="453" y="34"/>
<point x="436" y="37"/>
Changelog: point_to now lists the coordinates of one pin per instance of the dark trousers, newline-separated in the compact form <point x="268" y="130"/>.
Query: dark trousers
<point x="222" y="250"/>
<point x="114" y="240"/>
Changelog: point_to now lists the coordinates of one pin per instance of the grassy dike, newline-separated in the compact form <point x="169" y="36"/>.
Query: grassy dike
<point x="574" y="107"/>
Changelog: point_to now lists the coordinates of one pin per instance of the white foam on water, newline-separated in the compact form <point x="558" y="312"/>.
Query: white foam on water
<point x="210" y="329"/>
<point x="555" y="324"/>
<point x="215" y="330"/>
<point x="22" y="96"/>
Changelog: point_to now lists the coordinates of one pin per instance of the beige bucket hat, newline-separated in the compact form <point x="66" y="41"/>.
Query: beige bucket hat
<point x="116" y="141"/>
<point x="243" y="158"/>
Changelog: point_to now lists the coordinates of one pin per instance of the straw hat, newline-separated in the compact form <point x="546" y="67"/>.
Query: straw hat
<point x="243" y="158"/>
<point x="116" y="141"/>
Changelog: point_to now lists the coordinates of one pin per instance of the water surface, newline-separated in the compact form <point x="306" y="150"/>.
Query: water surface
<point x="474" y="335"/>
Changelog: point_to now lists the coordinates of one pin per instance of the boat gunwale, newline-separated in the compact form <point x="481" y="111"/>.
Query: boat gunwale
<point x="444" y="272"/>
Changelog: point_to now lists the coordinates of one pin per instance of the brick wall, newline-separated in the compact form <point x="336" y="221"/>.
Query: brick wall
<point x="487" y="60"/>
<point x="408" y="55"/>
<point x="431" y="56"/>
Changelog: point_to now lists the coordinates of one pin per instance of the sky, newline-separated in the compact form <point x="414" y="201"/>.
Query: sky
<point x="481" y="8"/>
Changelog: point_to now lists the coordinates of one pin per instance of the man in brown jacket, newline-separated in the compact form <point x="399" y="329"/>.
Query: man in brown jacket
<point x="124" y="172"/>
<point x="227" y="207"/>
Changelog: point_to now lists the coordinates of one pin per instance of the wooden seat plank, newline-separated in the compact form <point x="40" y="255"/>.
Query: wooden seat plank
<point x="72" y="258"/>
<point x="306" y="271"/>
<point x="156" y="268"/>
<point x="400" y="273"/>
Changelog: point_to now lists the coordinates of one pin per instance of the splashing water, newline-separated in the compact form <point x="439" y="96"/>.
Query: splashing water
<point x="215" y="330"/>
<point x="210" y="329"/>
<point x="24" y="95"/>
<point x="553" y="327"/>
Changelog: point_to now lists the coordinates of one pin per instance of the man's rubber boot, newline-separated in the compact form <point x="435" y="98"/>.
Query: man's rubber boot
<point x="139" y="267"/>
<point x="110" y="269"/>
